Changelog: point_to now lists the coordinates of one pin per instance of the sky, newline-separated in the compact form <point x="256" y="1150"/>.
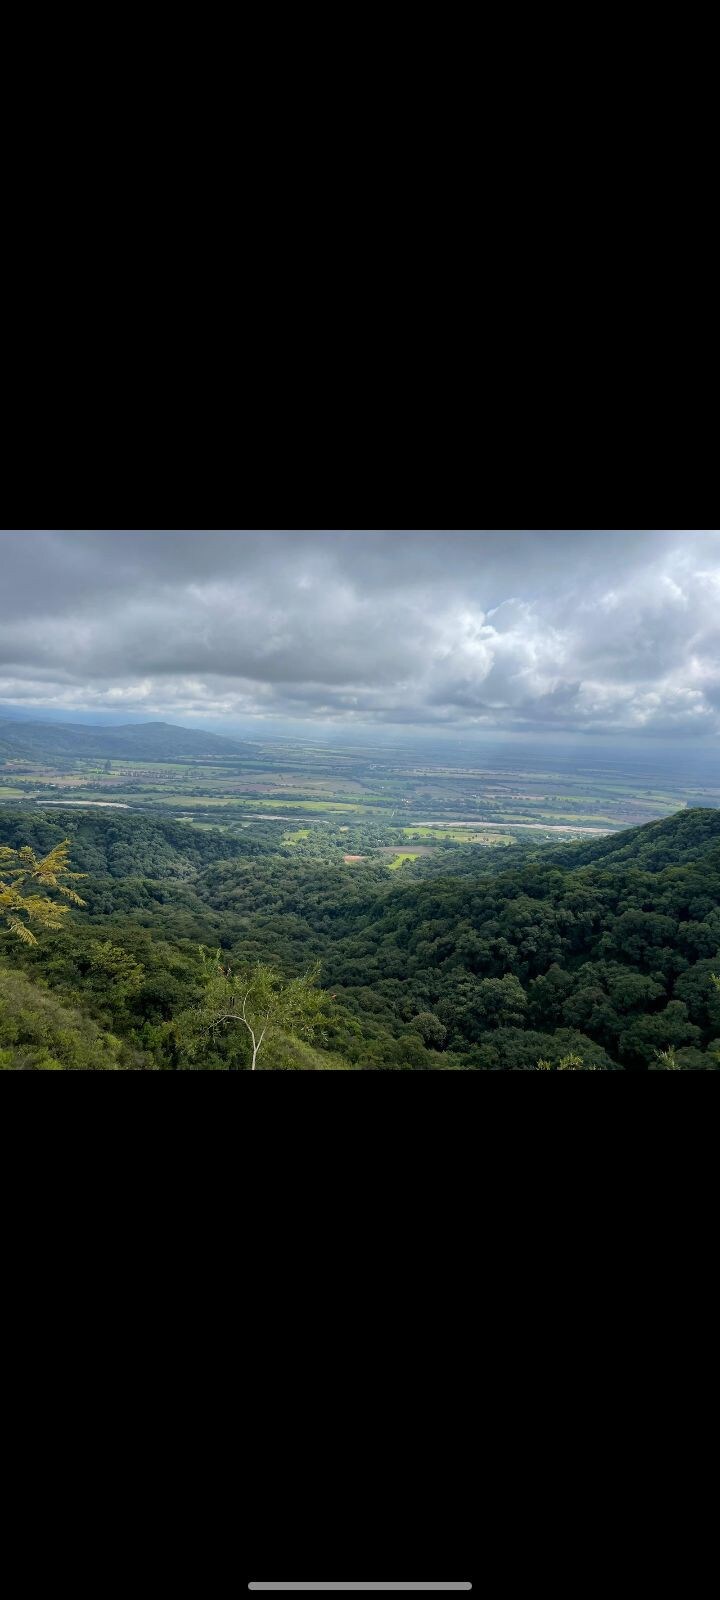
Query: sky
<point x="512" y="632"/>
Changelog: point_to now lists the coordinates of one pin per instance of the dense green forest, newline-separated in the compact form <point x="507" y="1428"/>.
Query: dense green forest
<point x="602" y="952"/>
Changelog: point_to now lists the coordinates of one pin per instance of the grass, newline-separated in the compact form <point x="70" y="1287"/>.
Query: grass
<point x="459" y="835"/>
<point x="405" y="855"/>
<point x="212" y="827"/>
<point x="286" y="1054"/>
<point x="303" y="805"/>
<point x="198" y="802"/>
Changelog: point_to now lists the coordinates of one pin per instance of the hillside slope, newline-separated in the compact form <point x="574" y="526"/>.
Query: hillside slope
<point x="617" y="938"/>
<point x="286" y="1054"/>
<point x="125" y="846"/>
<point x="607" y="950"/>
<point x="40" y="1032"/>
<point x="687" y="836"/>
<point x="148" y="741"/>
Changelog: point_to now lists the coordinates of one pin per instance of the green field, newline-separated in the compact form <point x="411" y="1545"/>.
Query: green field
<point x="459" y="835"/>
<point x="364" y="801"/>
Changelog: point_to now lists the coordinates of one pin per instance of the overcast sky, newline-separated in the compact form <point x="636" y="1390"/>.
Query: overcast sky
<point x="515" y="631"/>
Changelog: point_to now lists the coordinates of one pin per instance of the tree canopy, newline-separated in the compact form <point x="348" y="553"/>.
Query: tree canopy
<point x="608" y="951"/>
<point x="251" y="1005"/>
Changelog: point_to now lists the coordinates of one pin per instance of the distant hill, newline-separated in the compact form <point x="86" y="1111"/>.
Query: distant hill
<point x="146" y="741"/>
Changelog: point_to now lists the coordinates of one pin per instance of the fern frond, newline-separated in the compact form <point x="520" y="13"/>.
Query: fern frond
<point x="22" y="931"/>
<point x="52" y="872"/>
<point x="48" y="912"/>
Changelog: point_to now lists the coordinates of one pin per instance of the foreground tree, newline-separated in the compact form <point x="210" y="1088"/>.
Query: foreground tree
<point x="665" y="1061"/>
<point x="257" y="1003"/>
<point x="20" y="872"/>
<point x="569" y="1063"/>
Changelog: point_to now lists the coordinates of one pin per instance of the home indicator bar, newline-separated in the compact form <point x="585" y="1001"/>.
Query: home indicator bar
<point x="315" y="1586"/>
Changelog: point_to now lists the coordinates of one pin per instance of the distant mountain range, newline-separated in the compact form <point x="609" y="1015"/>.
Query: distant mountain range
<point x="145" y="741"/>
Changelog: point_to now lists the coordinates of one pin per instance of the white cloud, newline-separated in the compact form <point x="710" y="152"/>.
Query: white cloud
<point x="615" y="631"/>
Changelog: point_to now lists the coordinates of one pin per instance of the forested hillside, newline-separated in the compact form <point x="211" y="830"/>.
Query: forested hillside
<point x="603" y="952"/>
<point x="121" y="846"/>
<point x="155" y="741"/>
<point x="670" y="842"/>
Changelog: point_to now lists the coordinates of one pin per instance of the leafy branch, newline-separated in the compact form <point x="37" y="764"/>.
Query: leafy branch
<point x="260" y="1002"/>
<point x="22" y="871"/>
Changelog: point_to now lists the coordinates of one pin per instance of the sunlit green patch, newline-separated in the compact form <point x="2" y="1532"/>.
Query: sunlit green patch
<point x="286" y="1054"/>
<point x="459" y="835"/>
<point x="211" y="827"/>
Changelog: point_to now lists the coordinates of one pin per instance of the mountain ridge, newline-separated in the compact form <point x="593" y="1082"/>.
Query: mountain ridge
<point x="686" y="835"/>
<point x="155" y="740"/>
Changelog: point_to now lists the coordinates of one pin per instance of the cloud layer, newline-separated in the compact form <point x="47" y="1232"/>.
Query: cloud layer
<point x="515" y="630"/>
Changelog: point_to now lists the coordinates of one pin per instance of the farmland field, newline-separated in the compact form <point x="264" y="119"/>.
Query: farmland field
<point x="387" y="806"/>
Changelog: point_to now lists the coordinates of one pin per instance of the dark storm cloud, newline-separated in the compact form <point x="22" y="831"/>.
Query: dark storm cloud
<point x="614" y="630"/>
